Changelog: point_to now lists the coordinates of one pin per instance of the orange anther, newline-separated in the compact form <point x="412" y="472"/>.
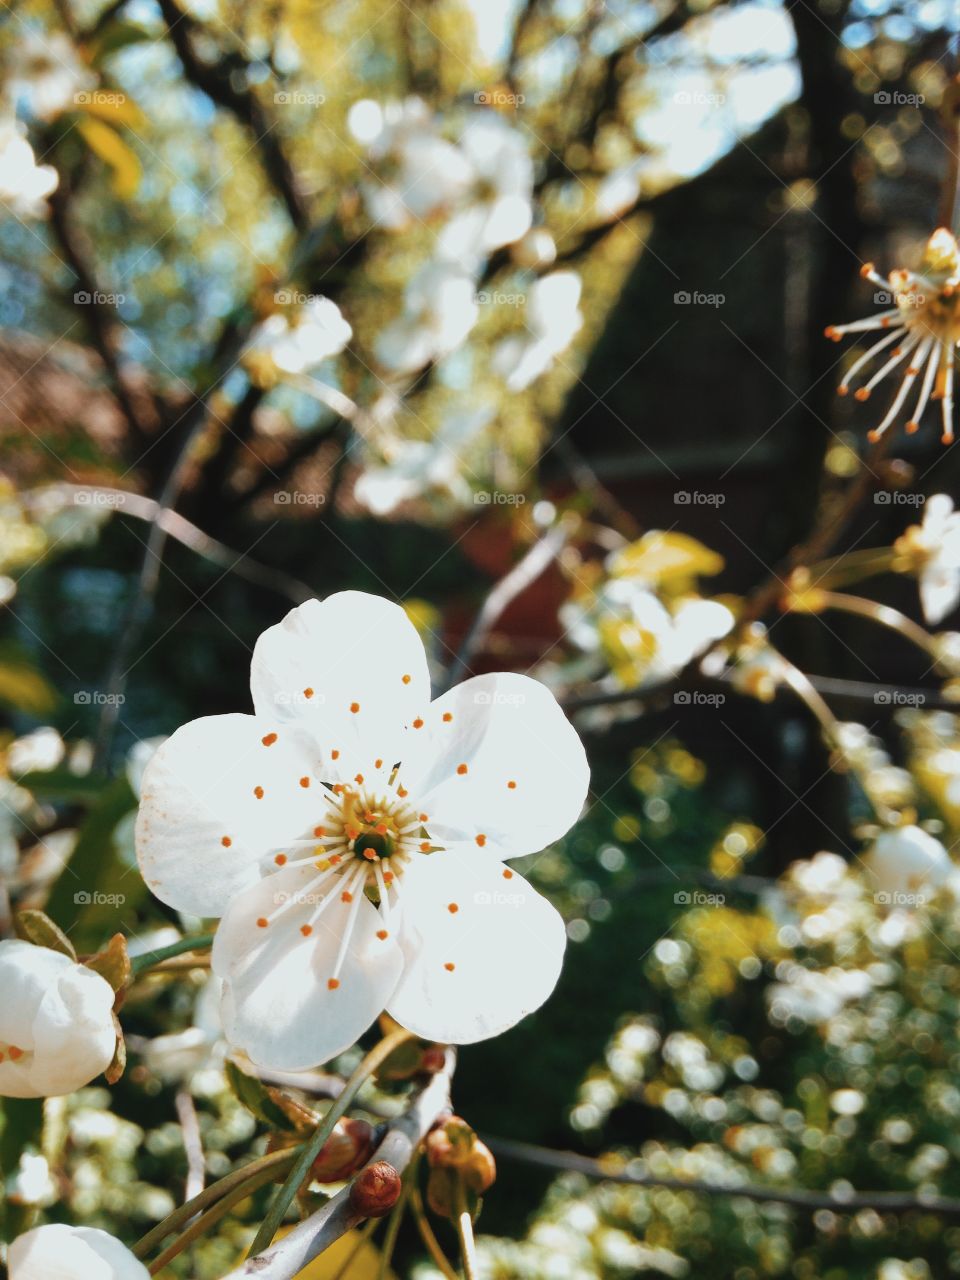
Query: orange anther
<point x="262" y="922"/>
<point x="378" y="764"/>
<point x="346" y="896"/>
<point x="912" y="428"/>
<point x="308" y="693"/>
<point x="335" y="859"/>
<point x="449" y="966"/>
<point x="332" y="984"/>
<point x="418" y="723"/>
<point x="319" y="832"/>
<point x="447" y="717"/>
<point x="425" y="846"/>
<point x="382" y="934"/>
<point x="866" y="270"/>
<point x="304" y="781"/>
<point x="226" y="841"/>
<point x="306" y="930"/>
<point x="461" y="769"/>
<point x="512" y="786"/>
<point x="269" y="739"/>
<point x="481" y="840"/>
<point x="258" y="792"/>
<point x="453" y="908"/>
<point x="359" y="779"/>
<point x="406" y="679"/>
<point x="843" y="391"/>
<point x="508" y="874"/>
<point x="354" y="707"/>
<point x="351" y="832"/>
<point x="402" y="792"/>
<point x="15" y="1053"/>
<point x="424" y="817"/>
<point x="334" y="755"/>
<point x="371" y="855"/>
<point x="388" y="877"/>
<point x="381" y="828"/>
<point x="862" y="393"/>
<point x="280" y="859"/>
<point x="831" y="333"/>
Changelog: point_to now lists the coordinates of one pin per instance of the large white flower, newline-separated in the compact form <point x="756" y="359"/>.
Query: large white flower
<point x="933" y="550"/>
<point x="59" y="1252"/>
<point x="56" y="1022"/>
<point x="24" y="185"/>
<point x="352" y="832"/>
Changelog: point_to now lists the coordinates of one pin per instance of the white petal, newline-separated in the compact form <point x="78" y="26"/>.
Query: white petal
<point x="352" y="650"/>
<point x="506" y="729"/>
<point x="203" y="787"/>
<point x="472" y="972"/>
<point x="59" y="1252"/>
<point x="939" y="591"/>
<point x="277" y="1005"/>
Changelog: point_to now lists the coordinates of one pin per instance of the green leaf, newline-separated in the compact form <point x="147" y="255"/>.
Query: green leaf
<point x="37" y="927"/>
<point x="117" y="35"/>
<point x="95" y="885"/>
<point x="256" y="1098"/>
<point x="61" y="784"/>
<point x="22" y="1120"/>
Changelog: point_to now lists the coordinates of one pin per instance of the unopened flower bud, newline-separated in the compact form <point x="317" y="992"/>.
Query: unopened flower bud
<point x="480" y="1171"/>
<point x="375" y="1190"/>
<point x="433" y="1060"/>
<point x="346" y="1150"/>
<point x="450" y="1143"/>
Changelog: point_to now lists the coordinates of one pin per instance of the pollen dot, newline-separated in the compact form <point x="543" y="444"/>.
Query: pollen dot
<point x="262" y="922"/>
<point x="861" y="394"/>
<point x="306" y="930"/>
<point x="332" y="984"/>
<point x="508" y="875"/>
<point x="453" y="908"/>
<point x="304" y="782"/>
<point x="449" y="966"/>
<point x="382" y="934"/>
<point x="15" y="1053"/>
<point x="461" y="769"/>
<point x="447" y="717"/>
<point x="258" y="792"/>
<point x="280" y="859"/>
<point x="512" y="785"/>
<point x="406" y="679"/>
<point x="402" y="792"/>
<point x="346" y="896"/>
<point x="842" y="390"/>
<point x="269" y="739"/>
<point x="334" y="755"/>
<point x="424" y="817"/>
<point x="481" y="840"/>
<point x="425" y="846"/>
<point x="912" y="428"/>
<point x="319" y="832"/>
<point x="354" y="707"/>
<point x="308" y="693"/>
<point x="378" y="764"/>
<point x="226" y="842"/>
<point x="418" y="723"/>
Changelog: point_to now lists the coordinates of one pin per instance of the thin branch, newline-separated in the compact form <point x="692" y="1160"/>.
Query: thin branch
<point x="190" y="536"/>
<point x="796" y="1197"/>
<point x="192" y="1144"/>
<point x="288" y="1257"/>
<point x="536" y="560"/>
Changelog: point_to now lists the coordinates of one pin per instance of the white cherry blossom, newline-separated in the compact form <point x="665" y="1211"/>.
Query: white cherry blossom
<point x="59" y="1252"/>
<point x="417" y="467"/>
<point x="907" y="862"/>
<point x="439" y="310"/>
<point x="299" y="342"/>
<point x="933" y="550"/>
<point x="24" y="185"/>
<point x="498" y="209"/>
<point x="57" y="1030"/>
<point x="352" y="836"/>
<point x="553" y="319"/>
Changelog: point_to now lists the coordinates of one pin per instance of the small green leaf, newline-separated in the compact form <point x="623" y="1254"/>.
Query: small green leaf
<point x="256" y="1098"/>
<point x="37" y="927"/>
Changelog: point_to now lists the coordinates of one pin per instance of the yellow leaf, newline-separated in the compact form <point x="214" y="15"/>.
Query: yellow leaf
<point x="662" y="558"/>
<point x="25" y="689"/>
<point x="106" y="143"/>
